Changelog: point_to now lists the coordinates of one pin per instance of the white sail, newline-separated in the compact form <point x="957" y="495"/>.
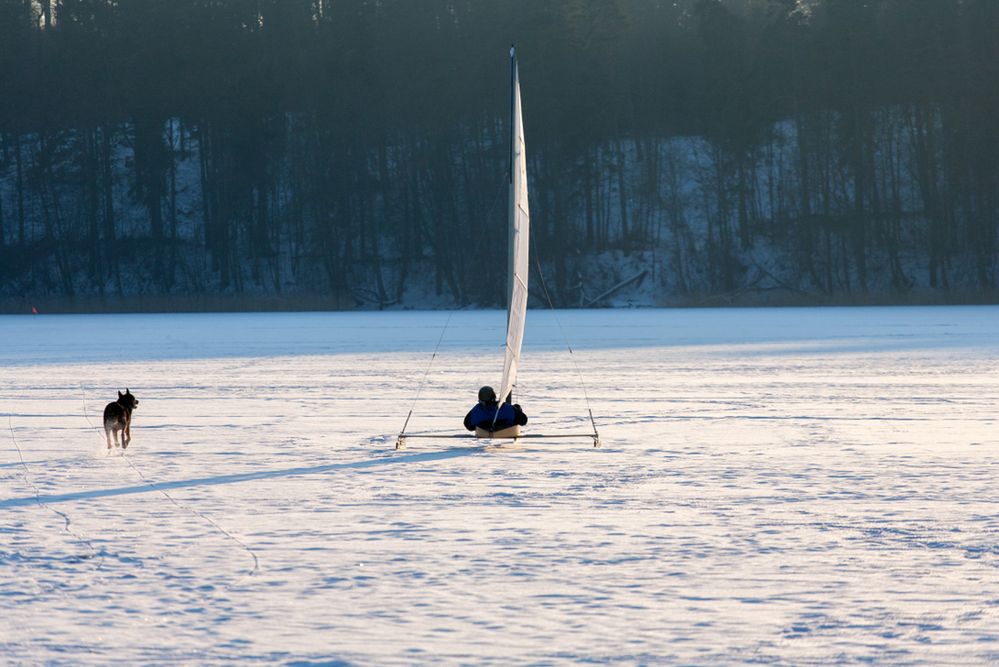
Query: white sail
<point x="520" y="232"/>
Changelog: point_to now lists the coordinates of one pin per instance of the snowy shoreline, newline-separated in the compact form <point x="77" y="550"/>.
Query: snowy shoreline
<point x="639" y="296"/>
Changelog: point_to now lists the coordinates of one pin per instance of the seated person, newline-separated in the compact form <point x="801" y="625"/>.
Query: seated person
<point x="484" y="414"/>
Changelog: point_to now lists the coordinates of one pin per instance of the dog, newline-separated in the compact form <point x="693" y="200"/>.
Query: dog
<point x="118" y="417"/>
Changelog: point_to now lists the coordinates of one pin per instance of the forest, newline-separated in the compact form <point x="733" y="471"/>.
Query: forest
<point x="354" y="153"/>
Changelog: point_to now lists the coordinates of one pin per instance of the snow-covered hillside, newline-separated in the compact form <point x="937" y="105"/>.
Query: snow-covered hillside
<point x="786" y="486"/>
<point x="677" y="218"/>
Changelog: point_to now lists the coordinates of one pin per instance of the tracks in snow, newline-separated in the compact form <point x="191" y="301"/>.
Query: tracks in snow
<point x="67" y="522"/>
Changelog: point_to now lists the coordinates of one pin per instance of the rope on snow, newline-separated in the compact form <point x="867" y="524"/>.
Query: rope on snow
<point x="208" y="519"/>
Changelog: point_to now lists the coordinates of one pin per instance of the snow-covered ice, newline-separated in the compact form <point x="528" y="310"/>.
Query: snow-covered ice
<point x="782" y="486"/>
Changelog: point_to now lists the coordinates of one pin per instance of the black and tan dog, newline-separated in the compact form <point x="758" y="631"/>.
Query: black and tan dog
<point x="118" y="417"/>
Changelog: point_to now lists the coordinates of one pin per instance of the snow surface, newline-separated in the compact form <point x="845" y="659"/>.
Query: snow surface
<point x="781" y="486"/>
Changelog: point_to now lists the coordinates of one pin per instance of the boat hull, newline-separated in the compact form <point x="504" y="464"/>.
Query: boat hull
<point x="511" y="432"/>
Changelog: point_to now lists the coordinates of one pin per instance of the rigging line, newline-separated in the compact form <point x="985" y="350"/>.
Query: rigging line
<point x="419" y="389"/>
<point x="572" y="356"/>
<point x="38" y="498"/>
<point x="149" y="483"/>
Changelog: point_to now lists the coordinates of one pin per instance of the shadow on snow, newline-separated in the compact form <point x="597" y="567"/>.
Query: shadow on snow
<point x="454" y="452"/>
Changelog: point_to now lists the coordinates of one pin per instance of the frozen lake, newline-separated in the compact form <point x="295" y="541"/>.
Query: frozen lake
<point x="781" y="486"/>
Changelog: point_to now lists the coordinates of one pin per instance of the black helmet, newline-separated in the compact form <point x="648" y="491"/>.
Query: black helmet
<point x="487" y="395"/>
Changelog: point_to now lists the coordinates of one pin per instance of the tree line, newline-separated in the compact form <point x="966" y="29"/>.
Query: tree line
<point x="357" y="148"/>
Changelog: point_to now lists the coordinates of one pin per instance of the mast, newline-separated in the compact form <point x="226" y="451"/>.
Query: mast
<point x="519" y="237"/>
<point x="514" y="93"/>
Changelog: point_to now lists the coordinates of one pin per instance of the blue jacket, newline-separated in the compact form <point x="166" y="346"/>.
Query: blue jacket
<point x="482" y="417"/>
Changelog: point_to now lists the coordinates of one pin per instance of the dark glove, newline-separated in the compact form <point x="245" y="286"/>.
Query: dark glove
<point x="521" y="418"/>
